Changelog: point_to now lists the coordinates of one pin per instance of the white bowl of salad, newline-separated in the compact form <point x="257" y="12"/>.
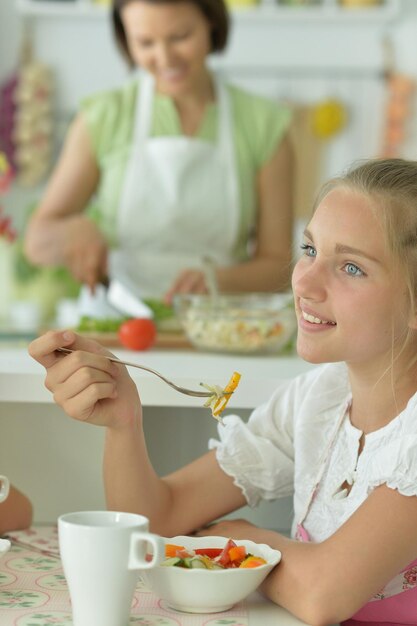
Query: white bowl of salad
<point x="250" y="323"/>
<point x="209" y="574"/>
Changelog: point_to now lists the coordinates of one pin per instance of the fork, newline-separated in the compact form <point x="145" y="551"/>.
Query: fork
<point x="184" y="390"/>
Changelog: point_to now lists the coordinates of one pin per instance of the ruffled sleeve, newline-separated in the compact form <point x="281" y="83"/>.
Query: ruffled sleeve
<point x="259" y="454"/>
<point x="395" y="465"/>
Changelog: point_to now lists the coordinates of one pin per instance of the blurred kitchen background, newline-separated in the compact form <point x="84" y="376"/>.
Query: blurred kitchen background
<point x="348" y="68"/>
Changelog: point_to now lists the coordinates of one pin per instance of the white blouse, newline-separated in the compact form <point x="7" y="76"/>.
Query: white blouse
<point x="281" y="450"/>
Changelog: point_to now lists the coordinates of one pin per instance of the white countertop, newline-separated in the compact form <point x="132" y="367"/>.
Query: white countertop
<point x="22" y="378"/>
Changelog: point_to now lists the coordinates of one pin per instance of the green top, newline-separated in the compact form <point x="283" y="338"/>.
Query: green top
<point x="258" y="127"/>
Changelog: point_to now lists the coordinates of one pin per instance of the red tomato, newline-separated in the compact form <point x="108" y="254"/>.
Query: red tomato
<point x="210" y="552"/>
<point x="137" y="334"/>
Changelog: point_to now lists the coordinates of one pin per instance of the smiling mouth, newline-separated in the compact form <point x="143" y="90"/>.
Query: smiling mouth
<point x="172" y="74"/>
<point x="316" y="320"/>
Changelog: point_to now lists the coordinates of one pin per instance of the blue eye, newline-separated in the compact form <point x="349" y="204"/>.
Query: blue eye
<point x="353" y="270"/>
<point x="308" y="250"/>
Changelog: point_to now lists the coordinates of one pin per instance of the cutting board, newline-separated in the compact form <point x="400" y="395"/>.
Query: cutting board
<point x="175" y="341"/>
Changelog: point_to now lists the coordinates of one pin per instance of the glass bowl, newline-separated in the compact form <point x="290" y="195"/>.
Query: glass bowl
<point x="209" y="591"/>
<point x="252" y="323"/>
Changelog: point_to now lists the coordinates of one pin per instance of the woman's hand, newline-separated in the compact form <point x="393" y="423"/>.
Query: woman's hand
<point x="85" y="384"/>
<point x="188" y="281"/>
<point x="59" y="232"/>
<point x="85" y="251"/>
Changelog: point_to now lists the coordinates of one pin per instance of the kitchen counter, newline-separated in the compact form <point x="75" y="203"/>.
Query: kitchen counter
<point x="22" y="378"/>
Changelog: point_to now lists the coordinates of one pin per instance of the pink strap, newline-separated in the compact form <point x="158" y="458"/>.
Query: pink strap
<point x="301" y="534"/>
<point x="400" y="610"/>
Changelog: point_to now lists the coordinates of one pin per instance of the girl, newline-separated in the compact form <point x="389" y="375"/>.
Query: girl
<point x="342" y="438"/>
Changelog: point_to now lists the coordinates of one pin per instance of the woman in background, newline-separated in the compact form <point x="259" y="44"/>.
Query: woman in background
<point x="181" y="166"/>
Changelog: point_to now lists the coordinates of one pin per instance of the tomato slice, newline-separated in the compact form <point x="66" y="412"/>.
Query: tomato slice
<point x="224" y="558"/>
<point x="212" y="553"/>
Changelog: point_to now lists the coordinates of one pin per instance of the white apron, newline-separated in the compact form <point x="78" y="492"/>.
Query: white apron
<point x="179" y="202"/>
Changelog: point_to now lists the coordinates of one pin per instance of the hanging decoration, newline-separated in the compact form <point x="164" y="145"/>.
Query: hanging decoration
<point x="6" y="173"/>
<point x="8" y="235"/>
<point x="398" y="108"/>
<point x="328" y="118"/>
<point x="400" y="90"/>
<point x="7" y="116"/>
<point x="6" y="176"/>
<point x="33" y="126"/>
<point x="26" y="117"/>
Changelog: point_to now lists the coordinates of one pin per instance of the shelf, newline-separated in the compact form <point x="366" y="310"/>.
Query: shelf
<point x="316" y="14"/>
<point x="328" y="11"/>
<point x="57" y="9"/>
<point x="265" y="12"/>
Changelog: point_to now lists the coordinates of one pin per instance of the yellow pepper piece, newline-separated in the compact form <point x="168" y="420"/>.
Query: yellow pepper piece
<point x="253" y="561"/>
<point x="221" y="403"/>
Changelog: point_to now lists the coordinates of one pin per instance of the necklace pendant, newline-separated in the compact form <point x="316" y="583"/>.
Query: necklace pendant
<point x="345" y="488"/>
<point x="340" y="494"/>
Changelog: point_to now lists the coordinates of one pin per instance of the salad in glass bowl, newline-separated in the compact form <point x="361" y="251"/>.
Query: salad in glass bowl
<point x="249" y="323"/>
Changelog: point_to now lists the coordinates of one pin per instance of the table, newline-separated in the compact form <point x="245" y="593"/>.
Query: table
<point x="33" y="592"/>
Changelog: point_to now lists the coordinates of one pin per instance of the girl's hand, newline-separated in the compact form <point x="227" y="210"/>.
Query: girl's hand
<point x="85" y="384"/>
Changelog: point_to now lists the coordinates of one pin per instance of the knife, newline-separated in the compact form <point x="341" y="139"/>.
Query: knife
<point x="121" y="295"/>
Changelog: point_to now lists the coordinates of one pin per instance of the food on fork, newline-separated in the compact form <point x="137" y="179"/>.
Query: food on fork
<point x="218" y="401"/>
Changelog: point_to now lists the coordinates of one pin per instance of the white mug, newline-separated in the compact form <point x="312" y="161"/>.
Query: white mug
<point x="101" y="553"/>
<point x="4" y="487"/>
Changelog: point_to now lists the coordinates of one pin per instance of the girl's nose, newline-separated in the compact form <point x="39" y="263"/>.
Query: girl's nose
<point x="309" y="280"/>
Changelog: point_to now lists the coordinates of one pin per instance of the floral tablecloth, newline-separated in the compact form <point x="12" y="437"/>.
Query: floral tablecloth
<point x="33" y="590"/>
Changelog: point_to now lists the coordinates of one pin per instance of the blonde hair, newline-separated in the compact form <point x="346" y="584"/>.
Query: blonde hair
<point x="391" y="185"/>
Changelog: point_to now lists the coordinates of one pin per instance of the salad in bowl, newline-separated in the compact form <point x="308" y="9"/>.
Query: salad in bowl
<point x="209" y="574"/>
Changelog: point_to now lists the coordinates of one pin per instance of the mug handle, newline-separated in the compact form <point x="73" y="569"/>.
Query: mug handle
<point x="4" y="487"/>
<point x="158" y="544"/>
